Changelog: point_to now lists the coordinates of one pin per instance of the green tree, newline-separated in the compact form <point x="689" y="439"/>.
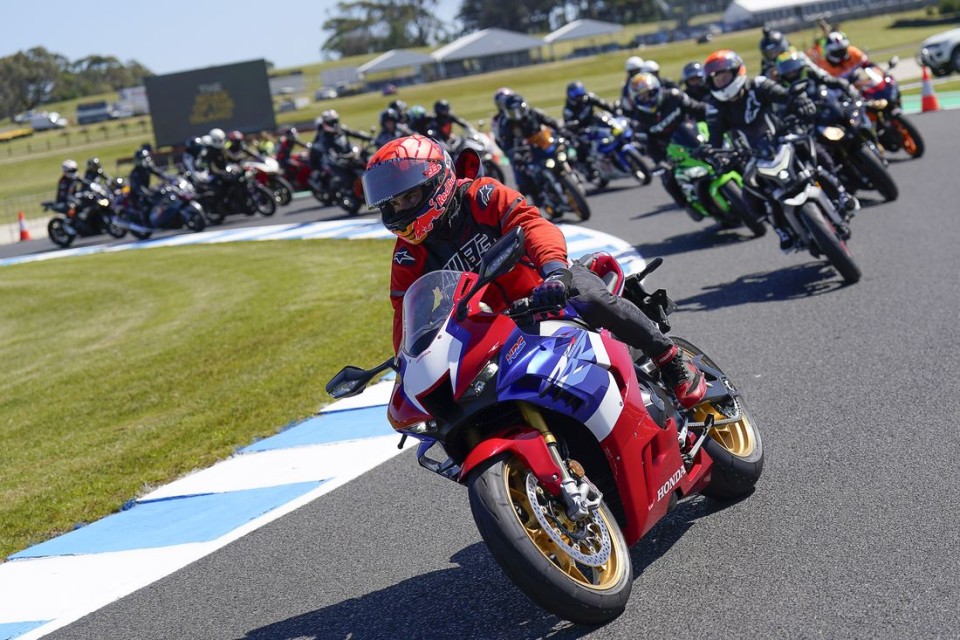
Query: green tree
<point x="368" y="26"/>
<point x="27" y="79"/>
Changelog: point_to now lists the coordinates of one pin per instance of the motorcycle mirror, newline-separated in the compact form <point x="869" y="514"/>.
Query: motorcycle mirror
<point x="351" y="380"/>
<point x="468" y="165"/>
<point x="894" y="61"/>
<point x="496" y="261"/>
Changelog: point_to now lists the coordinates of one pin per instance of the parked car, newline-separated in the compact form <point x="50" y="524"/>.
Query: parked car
<point x="326" y="93"/>
<point x="47" y="120"/>
<point x="941" y="52"/>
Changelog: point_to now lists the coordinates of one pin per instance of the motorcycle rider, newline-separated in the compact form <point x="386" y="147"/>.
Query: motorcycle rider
<point x="443" y="121"/>
<point x="632" y="67"/>
<point x="95" y="173"/>
<point x="401" y="108"/>
<point x="193" y="156"/>
<point x="289" y="140"/>
<point x="332" y="153"/>
<point x="520" y="122"/>
<point x="499" y="97"/>
<point x="443" y="222"/>
<point x="578" y="116"/>
<point x="141" y="195"/>
<point x="837" y="56"/>
<point x="390" y="127"/>
<point x="67" y="186"/>
<point x="658" y="112"/>
<point x="692" y="81"/>
<point x="420" y="121"/>
<point x="746" y="104"/>
<point x="772" y="44"/>
<point x="236" y="148"/>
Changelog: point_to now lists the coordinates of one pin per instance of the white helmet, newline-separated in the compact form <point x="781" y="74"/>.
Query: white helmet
<point x="650" y="66"/>
<point x="217" y="138"/>
<point x="634" y="65"/>
<point x="69" y="166"/>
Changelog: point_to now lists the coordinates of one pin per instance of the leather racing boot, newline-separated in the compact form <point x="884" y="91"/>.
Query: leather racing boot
<point x="682" y="376"/>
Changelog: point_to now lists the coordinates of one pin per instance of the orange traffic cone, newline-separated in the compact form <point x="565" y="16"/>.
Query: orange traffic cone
<point x="928" y="100"/>
<point x="24" y="232"/>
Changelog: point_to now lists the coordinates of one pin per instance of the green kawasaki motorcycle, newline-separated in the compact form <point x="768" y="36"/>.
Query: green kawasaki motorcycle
<point x="708" y="179"/>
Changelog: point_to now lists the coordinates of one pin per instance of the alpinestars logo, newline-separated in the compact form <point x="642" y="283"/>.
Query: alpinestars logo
<point x="483" y="195"/>
<point x="751" y="108"/>
<point x="403" y="256"/>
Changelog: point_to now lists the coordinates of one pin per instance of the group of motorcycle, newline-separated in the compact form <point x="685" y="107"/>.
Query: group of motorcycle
<point x="786" y="177"/>
<point x="183" y="201"/>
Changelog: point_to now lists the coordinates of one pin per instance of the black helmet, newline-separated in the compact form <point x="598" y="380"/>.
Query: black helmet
<point x="389" y="114"/>
<point x="441" y="107"/>
<point x="576" y="91"/>
<point x="194" y="145"/>
<point x="772" y="44"/>
<point x="515" y="107"/>
<point x="691" y="70"/>
<point x="398" y="105"/>
<point x="142" y="158"/>
<point x="93" y="164"/>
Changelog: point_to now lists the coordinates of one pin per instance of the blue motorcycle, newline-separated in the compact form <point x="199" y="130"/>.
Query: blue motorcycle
<point x="614" y="152"/>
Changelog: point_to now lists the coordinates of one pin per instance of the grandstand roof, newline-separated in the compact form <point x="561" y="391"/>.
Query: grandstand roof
<point x="582" y="29"/>
<point x="487" y="42"/>
<point x="395" y="59"/>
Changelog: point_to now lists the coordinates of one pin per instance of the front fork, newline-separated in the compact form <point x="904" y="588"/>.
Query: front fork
<point x="580" y="495"/>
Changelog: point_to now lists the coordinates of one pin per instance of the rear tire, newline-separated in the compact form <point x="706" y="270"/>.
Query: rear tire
<point x="545" y="570"/>
<point x="736" y="448"/>
<point x="830" y="245"/>
<point x="734" y="195"/>
<point x="910" y="139"/>
<point x="57" y="232"/>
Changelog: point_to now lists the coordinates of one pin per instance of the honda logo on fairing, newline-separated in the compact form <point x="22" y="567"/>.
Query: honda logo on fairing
<point x="671" y="483"/>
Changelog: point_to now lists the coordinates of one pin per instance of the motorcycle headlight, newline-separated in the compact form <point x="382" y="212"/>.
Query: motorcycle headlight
<point x="550" y="164"/>
<point x="103" y="202"/>
<point x="879" y="104"/>
<point x="480" y="382"/>
<point x="696" y="172"/>
<point x="562" y="157"/>
<point x="616" y="131"/>
<point x="833" y="134"/>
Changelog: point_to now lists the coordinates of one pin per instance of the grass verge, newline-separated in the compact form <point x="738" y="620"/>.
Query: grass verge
<point x="124" y="371"/>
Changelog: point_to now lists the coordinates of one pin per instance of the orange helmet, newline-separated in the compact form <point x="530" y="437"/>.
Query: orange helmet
<point x="719" y="62"/>
<point x="411" y="180"/>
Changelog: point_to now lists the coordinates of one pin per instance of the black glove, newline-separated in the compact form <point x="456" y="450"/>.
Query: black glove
<point x="553" y="291"/>
<point x="804" y="107"/>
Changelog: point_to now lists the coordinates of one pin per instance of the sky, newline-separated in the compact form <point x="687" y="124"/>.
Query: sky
<point x="176" y="35"/>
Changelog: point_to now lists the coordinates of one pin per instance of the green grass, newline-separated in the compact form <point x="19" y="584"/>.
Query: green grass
<point x="28" y="178"/>
<point x="123" y="371"/>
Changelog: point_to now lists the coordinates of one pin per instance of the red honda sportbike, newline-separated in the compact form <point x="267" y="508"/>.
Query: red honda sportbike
<point x="570" y="444"/>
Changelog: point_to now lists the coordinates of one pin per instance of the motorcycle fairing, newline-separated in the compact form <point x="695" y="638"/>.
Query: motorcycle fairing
<point x="566" y="369"/>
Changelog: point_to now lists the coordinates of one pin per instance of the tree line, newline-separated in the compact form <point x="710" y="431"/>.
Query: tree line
<point x="371" y="26"/>
<point x="37" y="76"/>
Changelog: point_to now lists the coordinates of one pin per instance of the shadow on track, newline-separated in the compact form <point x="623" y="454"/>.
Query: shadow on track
<point x="798" y="281"/>
<point x="702" y="238"/>
<point x="472" y="600"/>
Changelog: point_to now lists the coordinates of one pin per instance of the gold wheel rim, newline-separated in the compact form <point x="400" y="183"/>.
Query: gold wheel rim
<point x="598" y="578"/>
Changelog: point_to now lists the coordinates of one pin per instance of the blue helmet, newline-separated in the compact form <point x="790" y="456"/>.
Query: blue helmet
<point x="576" y="91"/>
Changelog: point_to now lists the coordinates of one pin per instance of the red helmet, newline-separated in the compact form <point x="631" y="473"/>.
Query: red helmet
<point x="720" y="62"/>
<point x="236" y="136"/>
<point x="411" y="181"/>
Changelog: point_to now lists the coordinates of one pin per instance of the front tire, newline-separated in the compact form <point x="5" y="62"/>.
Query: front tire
<point x="735" y="448"/>
<point x="734" y="196"/>
<point x="642" y="170"/>
<point x="872" y="167"/>
<point x="585" y="579"/>
<point x="282" y="190"/>
<point x="576" y="200"/>
<point x="261" y="200"/>
<point x="829" y="244"/>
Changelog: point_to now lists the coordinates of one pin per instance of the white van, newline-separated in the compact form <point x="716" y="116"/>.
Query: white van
<point x="47" y="120"/>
